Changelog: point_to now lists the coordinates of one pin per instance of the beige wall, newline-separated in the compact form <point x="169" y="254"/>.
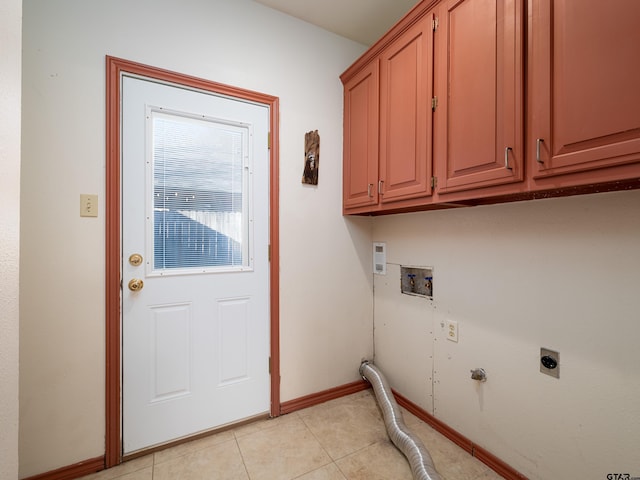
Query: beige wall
<point x="558" y="273"/>
<point x="562" y="274"/>
<point x="326" y="299"/>
<point x="10" y="72"/>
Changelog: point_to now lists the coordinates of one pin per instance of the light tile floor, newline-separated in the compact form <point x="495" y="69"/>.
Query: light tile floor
<point x="343" y="439"/>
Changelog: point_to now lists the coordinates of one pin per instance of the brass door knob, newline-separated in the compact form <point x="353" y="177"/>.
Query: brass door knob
<point x="135" y="284"/>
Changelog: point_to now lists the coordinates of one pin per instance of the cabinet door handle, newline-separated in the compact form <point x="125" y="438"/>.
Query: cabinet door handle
<point x="506" y="158"/>
<point x="538" y="142"/>
<point x="380" y="183"/>
<point x="369" y="188"/>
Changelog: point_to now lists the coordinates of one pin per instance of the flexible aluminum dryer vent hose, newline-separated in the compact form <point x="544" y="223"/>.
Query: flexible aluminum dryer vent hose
<point x="419" y="459"/>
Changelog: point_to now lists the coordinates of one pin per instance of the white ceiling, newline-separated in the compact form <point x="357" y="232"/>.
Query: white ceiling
<point x="364" y="21"/>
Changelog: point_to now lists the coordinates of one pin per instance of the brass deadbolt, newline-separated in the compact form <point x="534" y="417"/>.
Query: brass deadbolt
<point x="135" y="259"/>
<point x="135" y="284"/>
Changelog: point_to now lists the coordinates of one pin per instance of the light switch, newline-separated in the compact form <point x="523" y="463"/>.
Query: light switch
<point x="88" y="205"/>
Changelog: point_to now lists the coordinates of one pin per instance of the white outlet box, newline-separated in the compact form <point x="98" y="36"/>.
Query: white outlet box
<point x="379" y="258"/>
<point x="451" y="330"/>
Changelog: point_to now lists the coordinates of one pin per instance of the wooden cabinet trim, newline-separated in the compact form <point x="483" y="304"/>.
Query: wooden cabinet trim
<point x="406" y="22"/>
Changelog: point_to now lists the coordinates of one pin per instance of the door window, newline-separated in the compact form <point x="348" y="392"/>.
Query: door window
<point x="198" y="218"/>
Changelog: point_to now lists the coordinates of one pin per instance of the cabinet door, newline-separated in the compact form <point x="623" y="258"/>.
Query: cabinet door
<point x="360" y="162"/>
<point x="479" y="116"/>
<point x="584" y="85"/>
<point x="405" y="114"/>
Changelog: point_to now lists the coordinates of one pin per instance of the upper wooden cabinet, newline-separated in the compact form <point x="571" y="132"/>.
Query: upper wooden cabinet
<point x="440" y="118"/>
<point x="360" y="152"/>
<point x="479" y="93"/>
<point x="387" y="124"/>
<point x="584" y="91"/>
<point x="406" y="78"/>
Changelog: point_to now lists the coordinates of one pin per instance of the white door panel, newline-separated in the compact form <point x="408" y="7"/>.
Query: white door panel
<point x="195" y="206"/>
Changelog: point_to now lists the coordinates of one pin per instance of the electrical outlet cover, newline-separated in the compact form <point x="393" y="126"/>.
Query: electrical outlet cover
<point x="451" y="330"/>
<point x="550" y="362"/>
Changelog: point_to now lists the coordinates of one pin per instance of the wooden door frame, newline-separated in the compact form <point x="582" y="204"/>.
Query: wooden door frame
<point x="115" y="68"/>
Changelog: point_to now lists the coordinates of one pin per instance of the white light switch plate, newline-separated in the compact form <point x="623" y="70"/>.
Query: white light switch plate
<point x="88" y="205"/>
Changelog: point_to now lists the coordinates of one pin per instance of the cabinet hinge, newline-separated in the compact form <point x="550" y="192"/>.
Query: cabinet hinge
<point x="269" y="253"/>
<point x="434" y="103"/>
<point x="269" y="140"/>
<point x="434" y="182"/>
<point x="269" y="365"/>
<point x="434" y="23"/>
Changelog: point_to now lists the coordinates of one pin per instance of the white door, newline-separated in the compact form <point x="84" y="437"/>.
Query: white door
<point x="195" y="286"/>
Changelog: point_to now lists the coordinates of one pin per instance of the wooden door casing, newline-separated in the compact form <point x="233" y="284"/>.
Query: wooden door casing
<point x="115" y="68"/>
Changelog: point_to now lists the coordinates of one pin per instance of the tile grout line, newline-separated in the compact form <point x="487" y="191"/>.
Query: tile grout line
<point x="301" y="417"/>
<point x="244" y="462"/>
<point x="333" y="460"/>
<point x="309" y="423"/>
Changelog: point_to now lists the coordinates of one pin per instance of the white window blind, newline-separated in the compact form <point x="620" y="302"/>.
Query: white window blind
<point x="199" y="172"/>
